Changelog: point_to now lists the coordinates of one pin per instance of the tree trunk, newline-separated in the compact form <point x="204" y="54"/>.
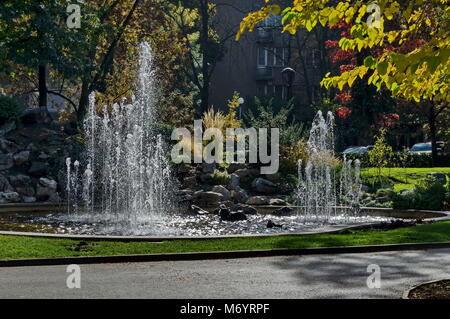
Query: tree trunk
<point x="83" y="103"/>
<point x="204" y="36"/>
<point x="42" y="79"/>
<point x="432" y="124"/>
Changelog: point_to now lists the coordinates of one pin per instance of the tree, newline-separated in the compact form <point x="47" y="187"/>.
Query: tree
<point x="28" y="33"/>
<point x="416" y="73"/>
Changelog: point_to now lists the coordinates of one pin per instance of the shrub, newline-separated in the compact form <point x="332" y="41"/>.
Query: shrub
<point x="219" y="178"/>
<point x="9" y="109"/>
<point x="374" y="183"/>
<point x="429" y="195"/>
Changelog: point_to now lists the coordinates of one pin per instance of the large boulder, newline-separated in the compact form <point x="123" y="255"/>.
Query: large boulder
<point x="20" y="180"/>
<point x="234" y="181"/>
<point x="46" y="190"/>
<point x="222" y="190"/>
<point x="207" y="198"/>
<point x="258" y="200"/>
<point x="277" y="202"/>
<point x="7" y="127"/>
<point x="244" y="174"/>
<point x="226" y="215"/>
<point x="189" y="182"/>
<point x="208" y="168"/>
<point x="239" y="195"/>
<point x="10" y="197"/>
<point x="5" y="186"/>
<point x="264" y="186"/>
<point x="34" y="115"/>
<point x="21" y="157"/>
<point x="38" y="169"/>
<point x="7" y="146"/>
<point x="246" y="209"/>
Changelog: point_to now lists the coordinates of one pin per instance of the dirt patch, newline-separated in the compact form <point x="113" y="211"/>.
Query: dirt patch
<point x="435" y="290"/>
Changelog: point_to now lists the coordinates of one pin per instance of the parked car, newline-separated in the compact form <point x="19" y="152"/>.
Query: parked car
<point x="358" y="149"/>
<point x="424" y="148"/>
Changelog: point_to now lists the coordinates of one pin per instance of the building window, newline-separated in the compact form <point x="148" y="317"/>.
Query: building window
<point x="316" y="58"/>
<point x="262" y="57"/>
<point x="279" y="58"/>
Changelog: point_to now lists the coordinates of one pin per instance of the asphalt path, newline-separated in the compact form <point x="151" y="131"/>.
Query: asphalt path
<point x="318" y="276"/>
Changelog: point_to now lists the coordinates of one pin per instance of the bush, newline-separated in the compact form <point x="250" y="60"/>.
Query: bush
<point x="430" y="194"/>
<point x="9" y="109"/>
<point x="406" y="160"/>
<point x="374" y="183"/>
<point x="219" y="178"/>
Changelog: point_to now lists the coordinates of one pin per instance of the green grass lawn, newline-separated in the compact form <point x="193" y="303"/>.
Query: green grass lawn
<point x="16" y="247"/>
<point x="404" y="178"/>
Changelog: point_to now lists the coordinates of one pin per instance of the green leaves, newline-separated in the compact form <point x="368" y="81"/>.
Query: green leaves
<point x="370" y="62"/>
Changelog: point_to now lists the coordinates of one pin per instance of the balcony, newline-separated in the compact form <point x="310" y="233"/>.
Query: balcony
<point x="264" y="73"/>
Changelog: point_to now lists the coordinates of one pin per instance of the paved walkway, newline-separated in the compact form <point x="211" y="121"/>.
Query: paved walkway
<point x="321" y="276"/>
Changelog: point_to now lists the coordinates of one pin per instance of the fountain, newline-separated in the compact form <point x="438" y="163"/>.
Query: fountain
<point x="318" y="198"/>
<point x="126" y="181"/>
<point x="122" y="184"/>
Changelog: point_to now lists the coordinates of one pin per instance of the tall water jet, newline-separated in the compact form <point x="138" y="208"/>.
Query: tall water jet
<point x="317" y="191"/>
<point x="126" y="179"/>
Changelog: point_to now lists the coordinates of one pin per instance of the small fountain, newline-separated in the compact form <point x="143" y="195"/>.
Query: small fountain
<point x="126" y="181"/>
<point x="317" y="192"/>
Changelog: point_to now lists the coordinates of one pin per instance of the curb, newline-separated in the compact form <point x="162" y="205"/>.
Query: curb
<point x="219" y="255"/>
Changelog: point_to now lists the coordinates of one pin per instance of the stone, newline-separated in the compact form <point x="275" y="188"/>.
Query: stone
<point x="271" y="224"/>
<point x="20" y="180"/>
<point x="195" y="210"/>
<point x="7" y="127"/>
<point x="34" y="115"/>
<point x="258" y="200"/>
<point x="222" y="190"/>
<point x="46" y="190"/>
<point x="189" y="182"/>
<point x="285" y="211"/>
<point x="205" y="178"/>
<point x="38" y="169"/>
<point x="10" y="197"/>
<point x="277" y="202"/>
<point x="30" y="199"/>
<point x="239" y="195"/>
<point x="21" y="157"/>
<point x="227" y="215"/>
<point x="245" y="175"/>
<point x="234" y="181"/>
<point x="233" y="167"/>
<point x="207" y="198"/>
<point x="8" y="146"/>
<point x="5" y="186"/>
<point x="264" y="186"/>
<point x="48" y="182"/>
<point x="6" y="161"/>
<point x="208" y="168"/>
<point x="27" y="191"/>
<point x="43" y="156"/>
<point x="246" y="209"/>
<point x="54" y="198"/>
